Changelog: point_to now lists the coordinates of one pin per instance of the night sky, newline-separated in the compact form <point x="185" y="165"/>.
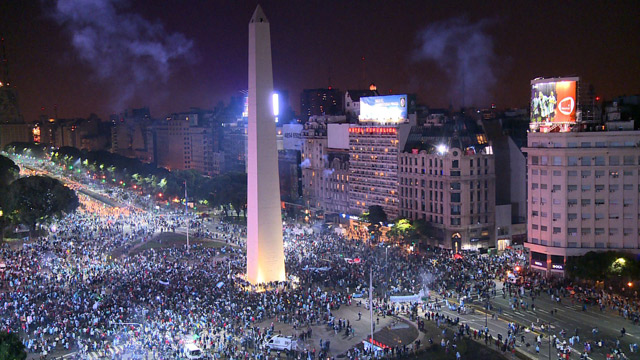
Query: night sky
<point x="105" y="55"/>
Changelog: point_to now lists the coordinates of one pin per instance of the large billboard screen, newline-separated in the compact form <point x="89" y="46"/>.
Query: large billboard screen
<point x="553" y="101"/>
<point x="384" y="109"/>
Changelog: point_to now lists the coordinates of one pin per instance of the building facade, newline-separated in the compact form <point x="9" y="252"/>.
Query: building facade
<point x="583" y="195"/>
<point x="452" y="187"/>
<point x="373" y="169"/>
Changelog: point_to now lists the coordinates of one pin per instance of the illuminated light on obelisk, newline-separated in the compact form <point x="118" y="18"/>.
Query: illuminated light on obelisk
<point x="265" y="249"/>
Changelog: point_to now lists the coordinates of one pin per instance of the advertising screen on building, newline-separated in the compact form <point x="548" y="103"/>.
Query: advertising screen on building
<point x="553" y="101"/>
<point x="384" y="109"/>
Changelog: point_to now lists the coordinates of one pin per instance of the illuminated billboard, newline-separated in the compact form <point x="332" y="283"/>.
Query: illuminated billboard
<point x="384" y="109"/>
<point x="553" y="102"/>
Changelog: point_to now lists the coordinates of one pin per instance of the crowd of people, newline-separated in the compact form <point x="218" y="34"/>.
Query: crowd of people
<point x="83" y="288"/>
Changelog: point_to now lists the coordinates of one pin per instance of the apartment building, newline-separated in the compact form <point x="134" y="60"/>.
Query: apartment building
<point x="583" y="195"/>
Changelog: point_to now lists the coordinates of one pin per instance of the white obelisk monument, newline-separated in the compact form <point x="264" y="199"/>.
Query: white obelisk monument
<point x="265" y="249"/>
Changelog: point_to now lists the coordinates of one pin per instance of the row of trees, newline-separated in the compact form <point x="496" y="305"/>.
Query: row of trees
<point x="31" y="200"/>
<point x="228" y="191"/>
<point x="610" y="266"/>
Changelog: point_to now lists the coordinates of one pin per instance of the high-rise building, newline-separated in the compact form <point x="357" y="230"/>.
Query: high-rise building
<point x="583" y="194"/>
<point x="185" y="141"/>
<point x="320" y="102"/>
<point x="132" y="134"/>
<point x="447" y="178"/>
<point x="325" y="165"/>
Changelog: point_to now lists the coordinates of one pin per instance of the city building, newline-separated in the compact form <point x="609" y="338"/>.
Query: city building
<point x="447" y="178"/>
<point x="583" y="195"/>
<point x="132" y="134"/>
<point x="325" y="164"/>
<point x="186" y="141"/>
<point x="320" y="102"/>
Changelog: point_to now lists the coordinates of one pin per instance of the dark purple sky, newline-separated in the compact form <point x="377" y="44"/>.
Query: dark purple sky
<point x="171" y="55"/>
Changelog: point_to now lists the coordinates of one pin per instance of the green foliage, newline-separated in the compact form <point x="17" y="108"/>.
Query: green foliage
<point x="9" y="171"/>
<point x="230" y="192"/>
<point x="38" y="199"/>
<point x="375" y="216"/>
<point x="609" y="265"/>
<point x="11" y="348"/>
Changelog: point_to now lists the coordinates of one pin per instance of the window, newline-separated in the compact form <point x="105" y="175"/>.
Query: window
<point x="586" y="188"/>
<point x="614" y="160"/>
<point x="534" y="226"/>
<point x="455" y="197"/>
<point x="586" y="202"/>
<point x="534" y="186"/>
<point x="599" y="188"/>
<point x="601" y="144"/>
<point x="534" y="213"/>
<point x="556" y="201"/>
<point x="543" y="186"/>
<point x="572" y="202"/>
<point x="557" y="230"/>
<point x="599" y="160"/>
<point x="556" y="188"/>
<point x="571" y="188"/>
<point x="613" y="188"/>
<point x="599" y="201"/>
<point x="455" y="209"/>
<point x="627" y="187"/>
<point x="599" y="173"/>
<point x="599" y="231"/>
<point x="571" y="173"/>
<point x="543" y="228"/>
<point x="572" y="161"/>
<point x="557" y="173"/>
<point x="454" y="164"/>
<point x="586" y="231"/>
<point x="543" y="172"/>
<point x="534" y="160"/>
<point x="534" y="172"/>
<point x="557" y="160"/>
<point x="544" y="160"/>
<point x="455" y="186"/>
<point x="585" y="173"/>
<point x="585" y="144"/>
<point x="555" y="216"/>
<point x="586" y="216"/>
<point x="599" y="216"/>
<point x="572" y="216"/>
<point x="586" y="161"/>
<point x="628" y="160"/>
<point x="543" y="214"/>
<point x="455" y="221"/>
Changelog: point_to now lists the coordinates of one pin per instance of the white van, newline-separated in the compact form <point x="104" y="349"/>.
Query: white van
<point x="191" y="351"/>
<point x="278" y="342"/>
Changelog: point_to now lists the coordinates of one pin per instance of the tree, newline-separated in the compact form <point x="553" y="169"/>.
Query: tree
<point x="9" y="171"/>
<point x="38" y="199"/>
<point x="11" y="348"/>
<point x="402" y="229"/>
<point x="375" y="216"/>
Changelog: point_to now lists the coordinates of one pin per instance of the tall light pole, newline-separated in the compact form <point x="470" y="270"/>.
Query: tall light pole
<point x="186" y="208"/>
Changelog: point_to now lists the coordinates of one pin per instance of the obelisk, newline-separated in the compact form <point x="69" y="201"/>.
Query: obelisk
<point x="265" y="249"/>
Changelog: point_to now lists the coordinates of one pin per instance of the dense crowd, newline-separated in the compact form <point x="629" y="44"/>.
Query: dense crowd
<point x="89" y="286"/>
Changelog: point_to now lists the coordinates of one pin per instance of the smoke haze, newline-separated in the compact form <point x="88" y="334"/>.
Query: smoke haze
<point x="123" y="49"/>
<point x="465" y="53"/>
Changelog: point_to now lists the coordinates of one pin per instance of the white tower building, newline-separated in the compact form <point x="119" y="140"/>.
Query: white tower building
<point x="265" y="248"/>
